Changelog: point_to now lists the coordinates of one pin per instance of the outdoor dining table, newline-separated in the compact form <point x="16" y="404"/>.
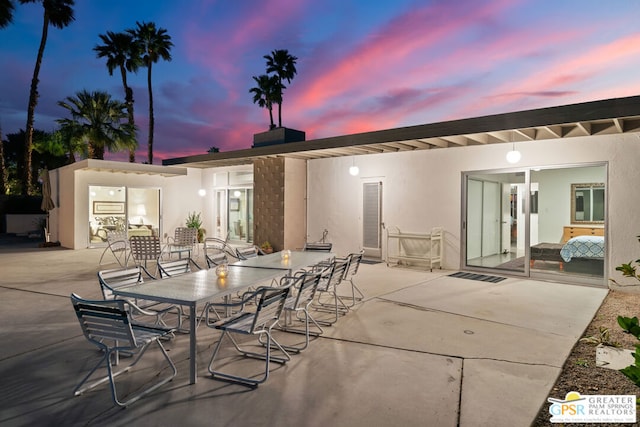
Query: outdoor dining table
<point x="295" y="261"/>
<point x="197" y="288"/>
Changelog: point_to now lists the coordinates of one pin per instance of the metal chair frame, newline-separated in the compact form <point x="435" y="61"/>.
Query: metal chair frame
<point x="107" y="325"/>
<point x="248" y="252"/>
<point x="329" y="280"/>
<point x="185" y="239"/>
<point x="175" y="268"/>
<point x="144" y="249"/>
<point x="353" y="265"/>
<point x="118" y="244"/>
<point x="260" y="321"/>
<point x="214" y="246"/>
<point x="116" y="278"/>
<point x="303" y="287"/>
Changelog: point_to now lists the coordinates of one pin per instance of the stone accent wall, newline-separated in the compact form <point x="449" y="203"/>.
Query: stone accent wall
<point x="279" y="202"/>
<point x="268" y="202"/>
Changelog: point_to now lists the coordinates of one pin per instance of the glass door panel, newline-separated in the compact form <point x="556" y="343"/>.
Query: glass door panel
<point x="143" y="210"/>
<point x="107" y="212"/>
<point x="558" y="223"/>
<point x="240" y="216"/>
<point x="493" y="233"/>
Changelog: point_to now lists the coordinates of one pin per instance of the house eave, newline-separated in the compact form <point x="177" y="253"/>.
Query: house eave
<point x="610" y="116"/>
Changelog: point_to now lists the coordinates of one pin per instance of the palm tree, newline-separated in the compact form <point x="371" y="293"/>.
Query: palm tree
<point x="6" y="13"/>
<point x="58" y="13"/>
<point x="284" y="65"/>
<point x="266" y="93"/>
<point x="153" y="44"/>
<point x="96" y="121"/>
<point x="120" y="51"/>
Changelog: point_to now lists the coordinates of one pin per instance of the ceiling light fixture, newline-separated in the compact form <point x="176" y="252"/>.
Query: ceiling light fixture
<point x="354" y="170"/>
<point x="514" y="155"/>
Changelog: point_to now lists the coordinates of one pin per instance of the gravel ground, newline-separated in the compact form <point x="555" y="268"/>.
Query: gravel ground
<point x="580" y="372"/>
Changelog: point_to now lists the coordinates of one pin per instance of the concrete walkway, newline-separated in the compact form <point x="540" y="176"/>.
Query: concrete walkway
<point x="423" y="349"/>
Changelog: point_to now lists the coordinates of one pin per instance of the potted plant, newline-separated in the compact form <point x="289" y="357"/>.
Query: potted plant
<point x="266" y="247"/>
<point x="194" y="221"/>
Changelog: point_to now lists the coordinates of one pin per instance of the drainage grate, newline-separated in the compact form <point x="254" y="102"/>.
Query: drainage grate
<point x="474" y="276"/>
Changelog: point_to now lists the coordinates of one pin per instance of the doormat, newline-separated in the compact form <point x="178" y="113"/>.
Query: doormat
<point x="370" y="261"/>
<point x="474" y="276"/>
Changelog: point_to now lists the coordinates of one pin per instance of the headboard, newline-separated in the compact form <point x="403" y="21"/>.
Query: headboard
<point x="575" y="231"/>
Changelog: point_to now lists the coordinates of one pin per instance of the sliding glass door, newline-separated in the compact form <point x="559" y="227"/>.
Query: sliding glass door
<point x="115" y="208"/>
<point x="492" y="235"/>
<point x="543" y="222"/>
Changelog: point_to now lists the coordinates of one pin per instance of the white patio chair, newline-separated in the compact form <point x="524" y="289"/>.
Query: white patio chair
<point x="330" y="278"/>
<point x="144" y="249"/>
<point x="183" y="240"/>
<point x="217" y="251"/>
<point x="353" y="265"/>
<point x="118" y="245"/>
<point x="258" y="321"/>
<point x="303" y="287"/>
<point x="108" y="325"/>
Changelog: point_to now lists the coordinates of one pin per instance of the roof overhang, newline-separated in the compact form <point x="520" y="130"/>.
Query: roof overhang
<point x="126" y="167"/>
<point x="611" y="116"/>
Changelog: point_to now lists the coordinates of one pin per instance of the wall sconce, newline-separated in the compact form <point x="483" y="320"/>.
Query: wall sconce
<point x="354" y="170"/>
<point x="237" y="193"/>
<point x="202" y="192"/>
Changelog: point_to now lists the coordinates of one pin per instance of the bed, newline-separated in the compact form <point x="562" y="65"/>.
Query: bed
<point x="584" y="254"/>
<point x="581" y="250"/>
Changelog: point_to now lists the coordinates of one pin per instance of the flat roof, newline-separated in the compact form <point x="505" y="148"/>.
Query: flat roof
<point x="610" y="116"/>
<point x="126" y="167"/>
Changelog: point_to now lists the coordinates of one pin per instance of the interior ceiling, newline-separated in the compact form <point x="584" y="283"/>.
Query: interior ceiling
<point x="607" y="117"/>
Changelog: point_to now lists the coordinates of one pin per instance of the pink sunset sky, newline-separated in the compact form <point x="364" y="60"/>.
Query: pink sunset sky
<point x="362" y="65"/>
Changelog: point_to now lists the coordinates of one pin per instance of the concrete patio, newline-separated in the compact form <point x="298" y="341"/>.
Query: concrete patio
<point x="423" y="349"/>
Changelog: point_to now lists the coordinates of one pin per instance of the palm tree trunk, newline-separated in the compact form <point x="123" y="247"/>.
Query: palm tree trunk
<point x="280" y="114"/>
<point x="128" y="98"/>
<point x="27" y="181"/>
<point x="3" y="168"/>
<point x="151" y="120"/>
<point x="271" y="118"/>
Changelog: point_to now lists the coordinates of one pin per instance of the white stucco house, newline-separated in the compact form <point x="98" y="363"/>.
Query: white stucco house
<point x="576" y="176"/>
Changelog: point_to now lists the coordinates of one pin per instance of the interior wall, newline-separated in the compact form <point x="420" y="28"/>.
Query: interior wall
<point x="423" y="189"/>
<point x="554" y="198"/>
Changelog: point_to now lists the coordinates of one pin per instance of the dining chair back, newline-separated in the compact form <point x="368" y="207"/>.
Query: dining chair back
<point x="176" y="268"/>
<point x="111" y="280"/>
<point x="247" y="252"/>
<point x="144" y="249"/>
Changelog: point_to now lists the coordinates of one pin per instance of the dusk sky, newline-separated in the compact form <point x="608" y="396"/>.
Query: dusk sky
<point x="362" y="65"/>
